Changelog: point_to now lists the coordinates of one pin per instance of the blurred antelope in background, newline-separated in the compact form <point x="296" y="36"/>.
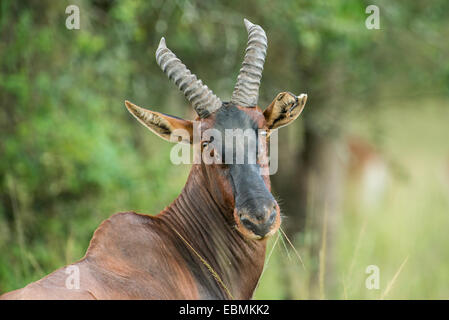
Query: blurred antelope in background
<point x="369" y="170"/>
<point x="210" y="242"/>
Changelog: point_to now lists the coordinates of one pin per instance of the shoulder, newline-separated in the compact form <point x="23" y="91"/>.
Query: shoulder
<point x="127" y="220"/>
<point x="123" y="230"/>
<point x="130" y="216"/>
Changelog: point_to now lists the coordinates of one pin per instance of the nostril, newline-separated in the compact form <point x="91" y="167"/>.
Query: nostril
<point x="272" y="216"/>
<point x="248" y="224"/>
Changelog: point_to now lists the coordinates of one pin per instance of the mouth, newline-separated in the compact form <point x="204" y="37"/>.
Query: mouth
<point x="253" y="236"/>
<point x="261" y="231"/>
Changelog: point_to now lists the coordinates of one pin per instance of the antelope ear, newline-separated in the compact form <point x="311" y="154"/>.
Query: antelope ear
<point x="285" y="108"/>
<point x="167" y="127"/>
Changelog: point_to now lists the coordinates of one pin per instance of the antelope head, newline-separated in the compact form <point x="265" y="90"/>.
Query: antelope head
<point x="239" y="184"/>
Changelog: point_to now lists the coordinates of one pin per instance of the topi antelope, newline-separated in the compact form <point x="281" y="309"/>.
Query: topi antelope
<point x="368" y="169"/>
<point x="210" y="242"/>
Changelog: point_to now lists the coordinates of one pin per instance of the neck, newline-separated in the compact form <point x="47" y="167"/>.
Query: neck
<point x="204" y="225"/>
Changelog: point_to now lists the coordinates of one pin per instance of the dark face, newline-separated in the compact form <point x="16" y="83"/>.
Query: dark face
<point x="239" y="179"/>
<point x="235" y="164"/>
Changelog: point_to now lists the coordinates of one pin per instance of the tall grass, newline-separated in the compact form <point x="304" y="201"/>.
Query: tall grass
<point x="404" y="234"/>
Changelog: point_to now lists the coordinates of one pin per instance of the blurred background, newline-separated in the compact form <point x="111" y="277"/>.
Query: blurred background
<point x="364" y="173"/>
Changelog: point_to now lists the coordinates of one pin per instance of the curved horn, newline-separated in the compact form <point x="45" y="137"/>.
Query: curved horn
<point x="203" y="100"/>
<point x="246" y="91"/>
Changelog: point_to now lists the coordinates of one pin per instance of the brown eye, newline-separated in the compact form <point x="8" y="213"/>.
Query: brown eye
<point x="204" y="144"/>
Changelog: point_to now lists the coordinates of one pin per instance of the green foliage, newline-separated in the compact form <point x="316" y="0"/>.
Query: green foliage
<point x="407" y="223"/>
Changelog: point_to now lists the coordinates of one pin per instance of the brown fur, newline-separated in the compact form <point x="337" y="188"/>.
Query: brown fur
<point x="135" y="256"/>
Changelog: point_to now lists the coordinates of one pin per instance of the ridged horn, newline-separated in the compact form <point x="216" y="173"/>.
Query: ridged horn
<point x="203" y="100"/>
<point x="246" y="91"/>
